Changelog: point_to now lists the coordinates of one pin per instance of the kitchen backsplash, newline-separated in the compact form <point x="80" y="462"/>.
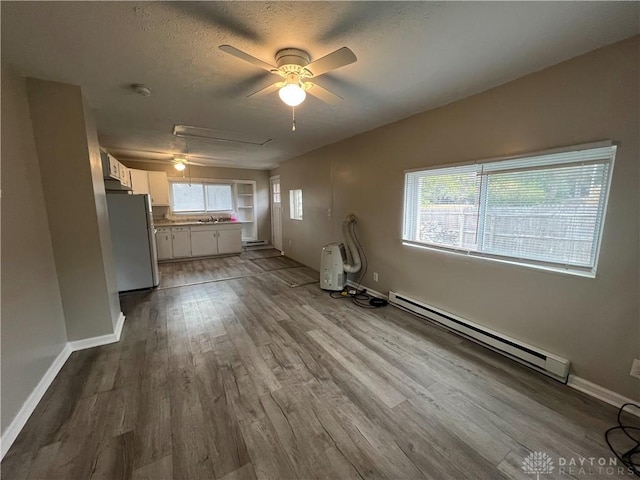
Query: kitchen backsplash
<point x="159" y="212"/>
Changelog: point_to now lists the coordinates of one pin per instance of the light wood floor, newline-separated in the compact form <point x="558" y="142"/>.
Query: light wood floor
<point x="248" y="377"/>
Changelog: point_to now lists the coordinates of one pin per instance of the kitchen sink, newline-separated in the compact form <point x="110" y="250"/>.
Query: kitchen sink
<point x="214" y="221"/>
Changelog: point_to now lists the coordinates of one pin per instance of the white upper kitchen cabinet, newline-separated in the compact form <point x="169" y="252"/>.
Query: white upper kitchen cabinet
<point x="139" y="181"/>
<point x="125" y="175"/>
<point x="110" y="166"/>
<point x="159" y="189"/>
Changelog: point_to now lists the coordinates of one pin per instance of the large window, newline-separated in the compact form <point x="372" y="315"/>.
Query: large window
<point x="201" y="197"/>
<point x="543" y="210"/>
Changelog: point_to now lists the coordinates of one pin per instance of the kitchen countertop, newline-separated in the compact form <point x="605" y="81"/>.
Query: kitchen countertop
<point x="189" y="223"/>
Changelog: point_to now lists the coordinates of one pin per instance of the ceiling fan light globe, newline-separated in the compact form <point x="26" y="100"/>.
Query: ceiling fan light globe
<point x="180" y="166"/>
<point x="292" y="94"/>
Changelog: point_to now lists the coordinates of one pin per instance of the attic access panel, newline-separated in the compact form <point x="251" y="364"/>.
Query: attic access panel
<point x="208" y="134"/>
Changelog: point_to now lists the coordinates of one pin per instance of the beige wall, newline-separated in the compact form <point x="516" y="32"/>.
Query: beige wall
<point x="33" y="327"/>
<point x="261" y="178"/>
<point x="102" y="214"/>
<point x="593" y="322"/>
<point x="76" y="207"/>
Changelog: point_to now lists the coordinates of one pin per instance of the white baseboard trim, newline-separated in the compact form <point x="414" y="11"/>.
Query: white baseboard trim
<point x="369" y="290"/>
<point x="11" y="433"/>
<point x="17" y="424"/>
<point x="101" y="340"/>
<point x="601" y="393"/>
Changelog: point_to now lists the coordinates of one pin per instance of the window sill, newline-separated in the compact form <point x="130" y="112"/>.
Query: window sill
<point x="468" y="254"/>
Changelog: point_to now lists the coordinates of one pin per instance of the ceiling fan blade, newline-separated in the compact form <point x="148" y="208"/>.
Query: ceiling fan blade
<point x="322" y="93"/>
<point x="266" y="90"/>
<point x="217" y="15"/>
<point x="246" y="57"/>
<point x="341" y="57"/>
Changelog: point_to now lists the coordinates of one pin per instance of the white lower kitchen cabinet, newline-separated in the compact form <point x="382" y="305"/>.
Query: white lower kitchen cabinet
<point x="198" y="240"/>
<point x="230" y="241"/>
<point x="203" y="242"/>
<point x="164" y="243"/>
<point x="181" y="242"/>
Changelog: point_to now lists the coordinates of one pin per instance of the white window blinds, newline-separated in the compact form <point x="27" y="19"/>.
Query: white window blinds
<point x="544" y="209"/>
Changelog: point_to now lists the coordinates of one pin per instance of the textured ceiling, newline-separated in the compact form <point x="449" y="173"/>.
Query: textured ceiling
<point x="412" y="56"/>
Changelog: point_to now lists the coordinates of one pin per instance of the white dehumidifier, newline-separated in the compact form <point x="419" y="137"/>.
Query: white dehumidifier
<point x="332" y="275"/>
<point x="337" y="261"/>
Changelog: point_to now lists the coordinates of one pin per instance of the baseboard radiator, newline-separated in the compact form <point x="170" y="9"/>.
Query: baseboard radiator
<point x="254" y="243"/>
<point x="544" y="362"/>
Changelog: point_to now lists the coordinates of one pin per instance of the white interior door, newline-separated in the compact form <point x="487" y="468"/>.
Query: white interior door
<point x="276" y="213"/>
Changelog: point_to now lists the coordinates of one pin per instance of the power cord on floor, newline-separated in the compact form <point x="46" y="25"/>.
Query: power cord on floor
<point x="631" y="457"/>
<point x="360" y="298"/>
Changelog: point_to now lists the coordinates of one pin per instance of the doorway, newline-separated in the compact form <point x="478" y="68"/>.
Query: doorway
<point x="276" y="212"/>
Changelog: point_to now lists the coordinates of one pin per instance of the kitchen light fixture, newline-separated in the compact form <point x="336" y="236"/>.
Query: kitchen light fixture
<point x="180" y="162"/>
<point x="292" y="94"/>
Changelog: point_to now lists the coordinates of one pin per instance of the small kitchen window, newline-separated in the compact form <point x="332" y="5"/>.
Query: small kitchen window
<point x="295" y="204"/>
<point x="201" y="197"/>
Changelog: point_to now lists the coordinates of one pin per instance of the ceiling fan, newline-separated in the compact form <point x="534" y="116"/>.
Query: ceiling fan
<point x="295" y="68"/>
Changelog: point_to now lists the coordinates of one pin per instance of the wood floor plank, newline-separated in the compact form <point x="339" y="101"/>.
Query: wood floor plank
<point x="41" y="466"/>
<point x="354" y="449"/>
<point x="267" y="456"/>
<point x="222" y="432"/>
<point x="262" y="253"/>
<point x="376" y="384"/>
<point x="263" y="378"/>
<point x="103" y="372"/>
<point x="17" y="464"/>
<point x="275" y="263"/>
<point x="114" y="460"/>
<point x="161" y="469"/>
<point x="240" y="391"/>
<point x="191" y="453"/>
<point x="245" y="472"/>
<point x="296" y="276"/>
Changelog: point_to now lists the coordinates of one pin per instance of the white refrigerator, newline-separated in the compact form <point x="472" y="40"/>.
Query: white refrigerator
<point x="134" y="241"/>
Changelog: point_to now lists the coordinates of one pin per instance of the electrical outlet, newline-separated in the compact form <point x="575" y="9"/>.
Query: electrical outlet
<point x="375" y="276"/>
<point x="289" y="242"/>
<point x="328" y="212"/>
<point x="635" y="368"/>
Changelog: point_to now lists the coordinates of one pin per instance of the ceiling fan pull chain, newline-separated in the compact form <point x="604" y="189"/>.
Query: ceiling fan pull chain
<point x="293" y="116"/>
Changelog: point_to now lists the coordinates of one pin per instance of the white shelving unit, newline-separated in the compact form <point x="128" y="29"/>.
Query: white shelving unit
<point x="245" y="207"/>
